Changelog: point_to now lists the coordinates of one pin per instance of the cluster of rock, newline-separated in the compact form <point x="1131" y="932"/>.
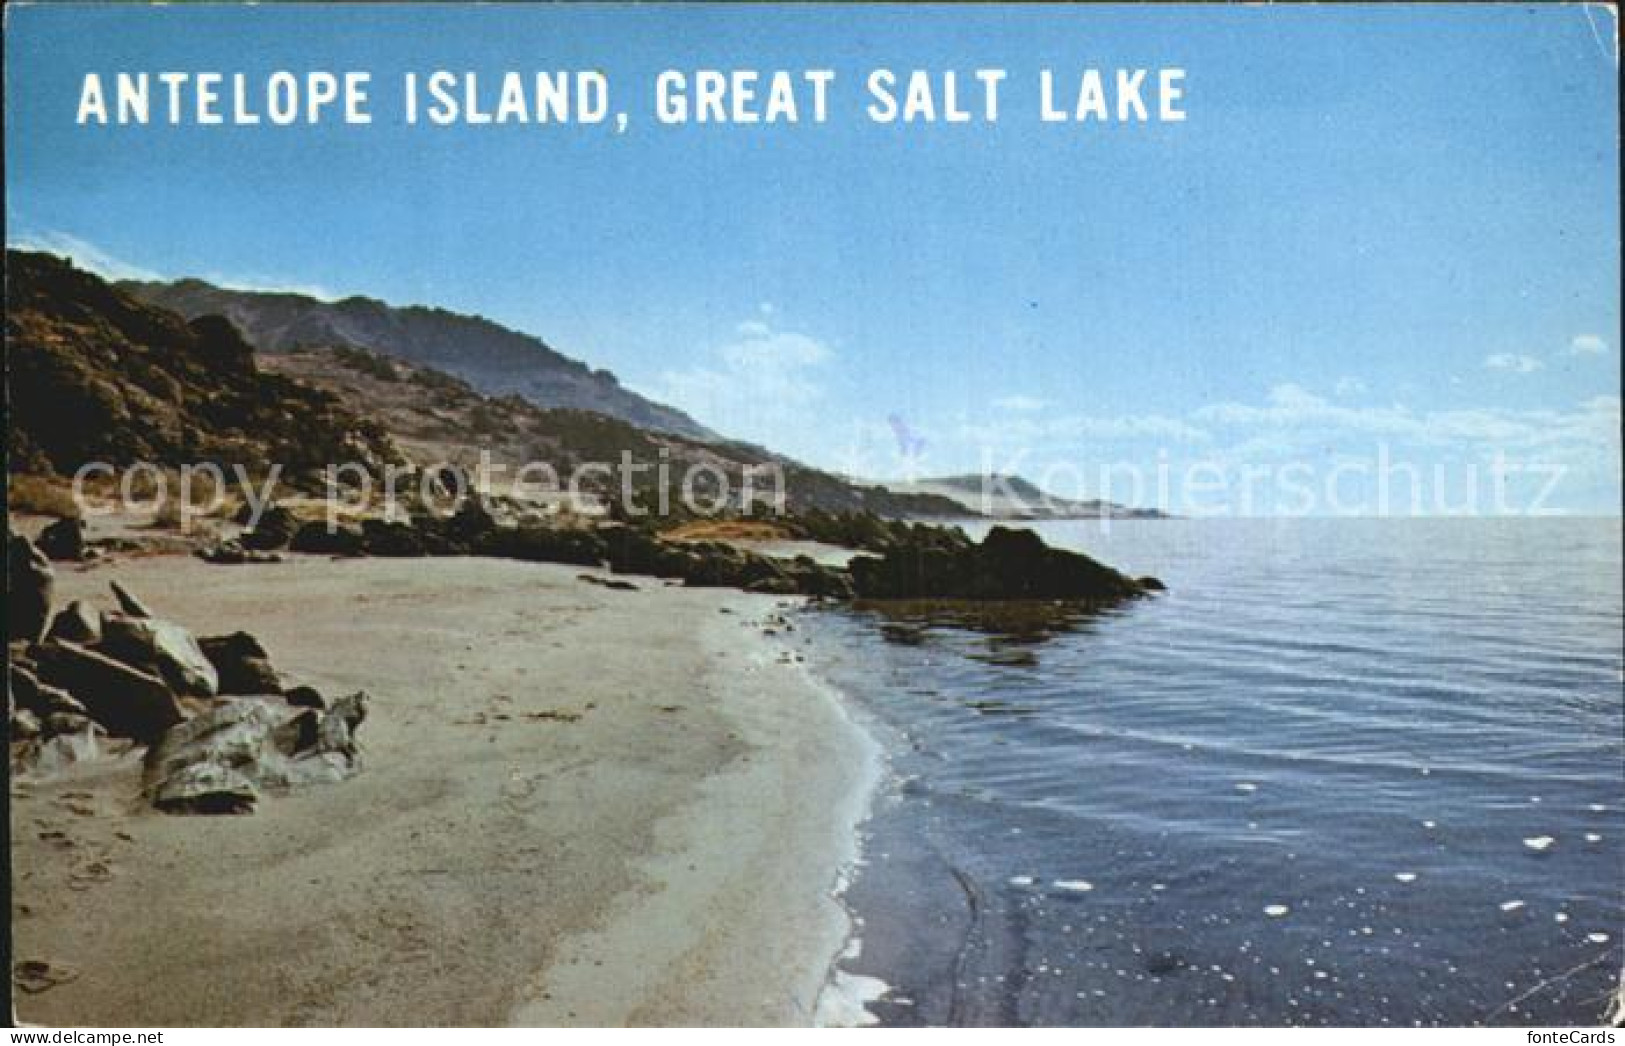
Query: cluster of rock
<point x="622" y="547"/>
<point x="1008" y="564"/>
<point x="219" y="720"/>
<point x="902" y="561"/>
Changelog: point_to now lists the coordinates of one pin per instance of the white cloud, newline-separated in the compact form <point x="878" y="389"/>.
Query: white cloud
<point x="1347" y="386"/>
<point x="1511" y="361"/>
<point x="761" y="385"/>
<point x="1019" y="403"/>
<point x="1299" y="416"/>
<point x="1097" y="428"/>
<point x="84" y="254"/>
<point x="1587" y="345"/>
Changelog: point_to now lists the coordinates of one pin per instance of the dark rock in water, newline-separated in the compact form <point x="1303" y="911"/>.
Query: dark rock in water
<point x="814" y="579"/>
<point x="125" y="700"/>
<point x="317" y="538"/>
<point x="29" y="584"/>
<point x="64" y="540"/>
<point x="1160" y="964"/>
<point x="275" y="528"/>
<point x="241" y="663"/>
<point x="220" y="761"/>
<point x="385" y="538"/>
<point x="166" y="646"/>
<point x="304" y="697"/>
<point x="78" y="622"/>
<point x="1151" y="584"/>
<point x="127" y="601"/>
<point x="1009" y="564"/>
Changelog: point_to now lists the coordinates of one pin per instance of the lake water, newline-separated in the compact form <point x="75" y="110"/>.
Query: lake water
<point x="1342" y="772"/>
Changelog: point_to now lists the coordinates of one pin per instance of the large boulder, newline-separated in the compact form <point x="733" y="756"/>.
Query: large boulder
<point x="241" y="663"/>
<point x="64" y="540"/>
<point x="29" y="584"/>
<point x="127" y="701"/>
<point x="632" y="550"/>
<point x="317" y="538"/>
<point x="1010" y="563"/>
<point x="167" y="647"/>
<point x="541" y="544"/>
<point x="27" y="692"/>
<point x="381" y="537"/>
<point x="220" y="761"/>
<point x="274" y="529"/>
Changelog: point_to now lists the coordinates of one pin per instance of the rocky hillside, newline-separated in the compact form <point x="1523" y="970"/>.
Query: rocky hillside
<point x="439" y="419"/>
<point x="491" y="358"/>
<point x="96" y="375"/>
<point x="1012" y="497"/>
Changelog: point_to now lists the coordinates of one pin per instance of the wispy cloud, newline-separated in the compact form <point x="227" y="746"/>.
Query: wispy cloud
<point x="1093" y="428"/>
<point x="1019" y="403"/>
<point x="760" y="385"/>
<point x="1513" y="362"/>
<point x="1297" y="417"/>
<point x="84" y="254"/>
<point x="1587" y="345"/>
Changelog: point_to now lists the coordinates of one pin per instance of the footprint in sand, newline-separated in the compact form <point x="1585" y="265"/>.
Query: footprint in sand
<point x="37" y="975"/>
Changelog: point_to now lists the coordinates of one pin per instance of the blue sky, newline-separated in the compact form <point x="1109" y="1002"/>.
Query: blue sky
<point x="1377" y="227"/>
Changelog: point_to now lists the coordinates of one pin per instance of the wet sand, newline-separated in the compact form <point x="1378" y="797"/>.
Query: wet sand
<point x="578" y="806"/>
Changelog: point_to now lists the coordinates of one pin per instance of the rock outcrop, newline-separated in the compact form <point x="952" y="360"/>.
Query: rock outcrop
<point x="64" y="540"/>
<point x="1009" y="564"/>
<point x="166" y="646"/>
<point x="78" y="622"/>
<point x="132" y="675"/>
<point x="221" y="760"/>
<point x="30" y="582"/>
<point x="126" y="700"/>
<point x="242" y="665"/>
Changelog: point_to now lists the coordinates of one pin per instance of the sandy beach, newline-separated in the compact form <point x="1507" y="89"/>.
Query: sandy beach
<point x="578" y="806"/>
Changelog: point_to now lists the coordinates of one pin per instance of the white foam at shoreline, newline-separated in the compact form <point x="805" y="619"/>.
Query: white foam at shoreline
<point x="844" y="999"/>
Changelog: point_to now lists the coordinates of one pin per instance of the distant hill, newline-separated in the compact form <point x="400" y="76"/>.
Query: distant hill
<point x="1012" y="497"/>
<point x="95" y="375"/>
<point x="437" y="418"/>
<point x="493" y="359"/>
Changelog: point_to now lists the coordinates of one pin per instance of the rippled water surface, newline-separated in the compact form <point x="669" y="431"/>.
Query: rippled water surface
<point x="1343" y="772"/>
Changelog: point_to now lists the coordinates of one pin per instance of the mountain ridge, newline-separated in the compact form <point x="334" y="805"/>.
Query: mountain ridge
<point x="1001" y="496"/>
<point x="496" y="360"/>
